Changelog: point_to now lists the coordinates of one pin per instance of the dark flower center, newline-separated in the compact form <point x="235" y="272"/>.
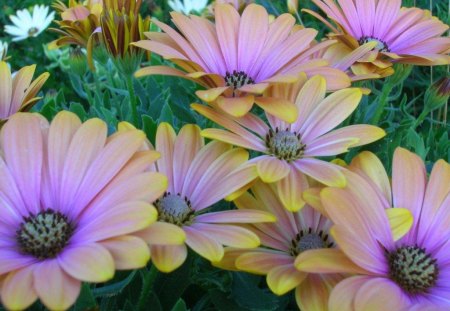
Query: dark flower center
<point x="381" y="45"/>
<point x="285" y="145"/>
<point x="307" y="239"/>
<point x="44" y="235"/>
<point x="238" y="79"/>
<point x="32" y="31"/>
<point x="174" y="209"/>
<point x="413" y="269"/>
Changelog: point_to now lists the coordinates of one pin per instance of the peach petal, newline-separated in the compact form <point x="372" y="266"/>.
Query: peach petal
<point x="278" y="107"/>
<point x="55" y="288"/>
<point x="228" y="261"/>
<point x="162" y="233"/>
<point x="326" y="260"/>
<point x="211" y="95"/>
<point x="343" y="295"/>
<point x="165" y="140"/>
<point x="128" y="252"/>
<point x="203" y="245"/>
<point x="167" y="258"/>
<point x="284" y="278"/>
<point x="324" y="172"/>
<point x="236" y="216"/>
<point x="229" y="235"/>
<point x="290" y="190"/>
<point x="233" y="139"/>
<point x="271" y="169"/>
<point x="17" y="291"/>
<point x="88" y="263"/>
<point x="314" y="291"/>
<point x="262" y="260"/>
<point x="236" y="106"/>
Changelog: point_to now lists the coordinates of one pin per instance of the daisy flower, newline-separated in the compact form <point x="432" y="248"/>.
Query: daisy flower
<point x="282" y="242"/>
<point x="288" y="147"/>
<point x="18" y="93"/>
<point x="240" y="56"/>
<point x="406" y="268"/>
<point x="403" y="35"/>
<point x="70" y="197"/>
<point x="27" y="25"/>
<point x="199" y="176"/>
<point x="187" y="6"/>
<point x="3" y="50"/>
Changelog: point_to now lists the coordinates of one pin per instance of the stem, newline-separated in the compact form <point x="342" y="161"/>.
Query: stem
<point x="133" y="101"/>
<point x="147" y="285"/>
<point x="384" y="99"/>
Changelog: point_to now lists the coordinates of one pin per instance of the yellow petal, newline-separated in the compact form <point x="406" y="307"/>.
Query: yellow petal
<point x="278" y="107"/>
<point x="401" y="220"/>
<point x="271" y="169"/>
<point x="128" y="252"/>
<point x="236" y="106"/>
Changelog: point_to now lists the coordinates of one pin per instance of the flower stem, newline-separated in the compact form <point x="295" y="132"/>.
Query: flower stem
<point x="133" y="101"/>
<point x="383" y="100"/>
<point x="147" y="285"/>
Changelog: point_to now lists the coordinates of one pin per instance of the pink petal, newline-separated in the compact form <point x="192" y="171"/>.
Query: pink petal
<point x="162" y="233"/>
<point x="235" y="216"/>
<point x="271" y="169"/>
<point x="88" y="263"/>
<point x="387" y="12"/>
<point x="366" y="15"/>
<point x="55" y="288"/>
<point x="227" y="28"/>
<point x="22" y="144"/>
<point x="368" y="296"/>
<point x="261" y="261"/>
<point x="283" y="278"/>
<point x="186" y="146"/>
<point x="253" y="29"/>
<point x="290" y="190"/>
<point x="408" y="185"/>
<point x="343" y="295"/>
<point x="229" y="235"/>
<point x="327" y="173"/>
<point x="314" y="291"/>
<point x="165" y="140"/>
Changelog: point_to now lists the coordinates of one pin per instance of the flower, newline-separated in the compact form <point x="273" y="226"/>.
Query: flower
<point x="70" y="197"/>
<point x="293" y="147"/>
<point x="238" y="57"/>
<point x="199" y="176"/>
<point x="78" y="22"/>
<point x="3" y="50"/>
<point x="27" y="25"/>
<point x="403" y="35"/>
<point x="18" y="93"/>
<point x="188" y="6"/>
<point x="405" y="267"/>
<point x="282" y="242"/>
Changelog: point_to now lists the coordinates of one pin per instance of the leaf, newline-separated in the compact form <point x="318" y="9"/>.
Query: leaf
<point x="180" y="306"/>
<point x="85" y="300"/>
<point x="166" y="114"/>
<point x="115" y="288"/>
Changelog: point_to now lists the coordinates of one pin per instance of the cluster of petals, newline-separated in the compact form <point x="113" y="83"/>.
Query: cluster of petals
<point x="290" y="147"/>
<point x="396" y="233"/>
<point x="238" y="57"/>
<point x="282" y="242"/>
<point x="27" y="25"/>
<point x="86" y="190"/>
<point x="199" y="176"/>
<point x="18" y="91"/>
<point x="402" y="35"/>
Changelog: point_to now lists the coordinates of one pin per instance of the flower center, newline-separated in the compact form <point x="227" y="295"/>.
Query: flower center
<point x="174" y="209"/>
<point x="238" y="79"/>
<point x="307" y="239"/>
<point x="44" y="235"/>
<point x="32" y="31"/>
<point x="285" y="145"/>
<point x="413" y="269"/>
<point x="381" y="45"/>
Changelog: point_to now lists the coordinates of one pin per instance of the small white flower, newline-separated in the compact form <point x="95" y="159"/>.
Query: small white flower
<point x="27" y="25"/>
<point x="3" y="50"/>
<point x="187" y="6"/>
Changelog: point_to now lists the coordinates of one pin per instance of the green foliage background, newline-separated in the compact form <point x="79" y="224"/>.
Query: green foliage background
<point x="411" y="120"/>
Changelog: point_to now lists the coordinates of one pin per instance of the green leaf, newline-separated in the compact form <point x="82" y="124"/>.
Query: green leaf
<point x="166" y="114"/>
<point x="115" y="288"/>
<point x="180" y="306"/>
<point x="86" y="299"/>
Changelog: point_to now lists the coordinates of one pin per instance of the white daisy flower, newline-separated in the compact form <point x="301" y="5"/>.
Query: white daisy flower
<point x="3" y="50"/>
<point x="27" y="25"/>
<point x="187" y="6"/>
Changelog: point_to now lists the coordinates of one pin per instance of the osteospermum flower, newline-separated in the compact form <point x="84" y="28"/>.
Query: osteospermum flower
<point x="238" y="57"/>
<point x="18" y="93"/>
<point x="282" y="242"/>
<point x="27" y="25"/>
<point x="199" y="176"/>
<point x="69" y="199"/>
<point x="294" y="147"/>
<point x="3" y="50"/>
<point x="187" y="6"/>
<point x="404" y="35"/>
<point x="406" y="268"/>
